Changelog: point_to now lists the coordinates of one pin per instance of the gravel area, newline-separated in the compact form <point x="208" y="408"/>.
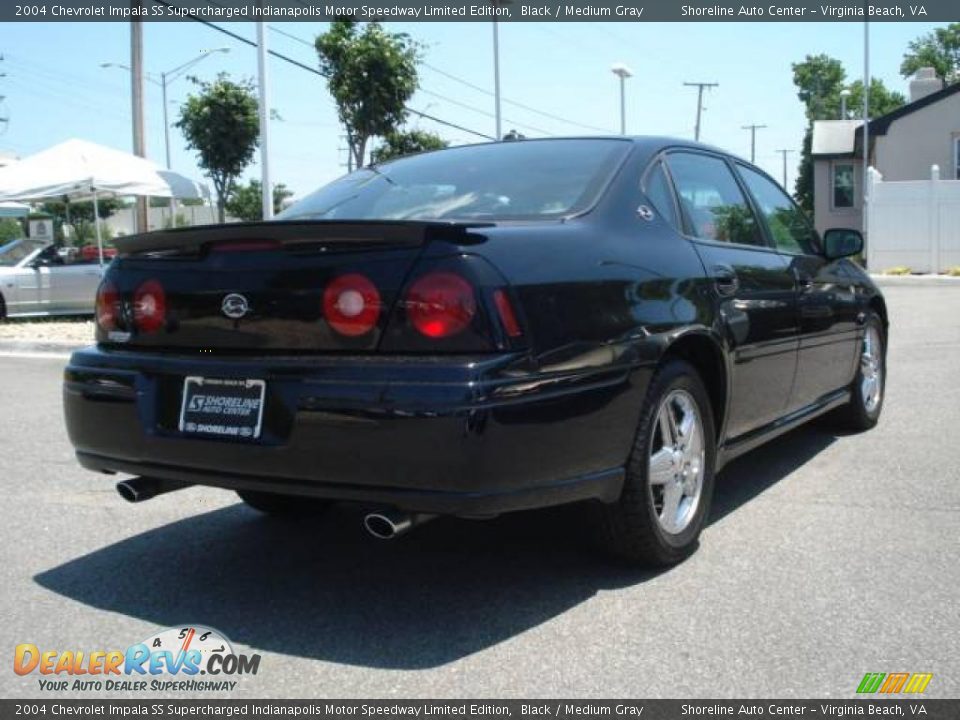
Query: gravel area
<point x="47" y="332"/>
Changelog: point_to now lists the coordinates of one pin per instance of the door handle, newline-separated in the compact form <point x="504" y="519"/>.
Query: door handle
<point x="803" y="281"/>
<point x="725" y="280"/>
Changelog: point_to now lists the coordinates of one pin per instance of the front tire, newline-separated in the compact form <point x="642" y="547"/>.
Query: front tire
<point x="869" y="384"/>
<point x="669" y="480"/>
<point x="282" y="505"/>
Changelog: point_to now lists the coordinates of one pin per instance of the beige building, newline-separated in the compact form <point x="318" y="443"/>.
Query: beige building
<point x="903" y="146"/>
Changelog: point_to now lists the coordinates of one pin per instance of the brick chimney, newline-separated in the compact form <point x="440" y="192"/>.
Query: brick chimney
<point x="924" y="83"/>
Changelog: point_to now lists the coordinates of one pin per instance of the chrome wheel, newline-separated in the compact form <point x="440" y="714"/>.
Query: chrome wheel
<point x="677" y="462"/>
<point x="871" y="369"/>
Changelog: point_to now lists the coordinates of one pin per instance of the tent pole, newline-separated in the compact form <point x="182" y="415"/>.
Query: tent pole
<point x="96" y="224"/>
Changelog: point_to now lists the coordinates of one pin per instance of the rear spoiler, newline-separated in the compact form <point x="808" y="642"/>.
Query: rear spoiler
<point x="301" y="232"/>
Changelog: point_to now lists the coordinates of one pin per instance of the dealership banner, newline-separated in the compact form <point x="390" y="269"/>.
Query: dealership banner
<point x="500" y="10"/>
<point x="483" y="709"/>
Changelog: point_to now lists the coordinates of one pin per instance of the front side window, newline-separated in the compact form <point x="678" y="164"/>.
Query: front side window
<point x="790" y="230"/>
<point x="522" y="180"/>
<point x="843" y="185"/>
<point x="713" y="206"/>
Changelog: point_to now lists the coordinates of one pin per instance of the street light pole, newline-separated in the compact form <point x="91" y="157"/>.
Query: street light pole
<point x="496" y="76"/>
<point x="699" y="86"/>
<point x="753" y="139"/>
<point x="136" y="98"/>
<point x="623" y="72"/>
<point x="266" y="189"/>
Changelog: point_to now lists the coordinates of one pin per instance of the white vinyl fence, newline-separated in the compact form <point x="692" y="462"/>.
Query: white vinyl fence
<point x="913" y="223"/>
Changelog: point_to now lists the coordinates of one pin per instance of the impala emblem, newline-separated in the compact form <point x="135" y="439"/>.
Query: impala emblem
<point x="235" y="306"/>
<point x="645" y="213"/>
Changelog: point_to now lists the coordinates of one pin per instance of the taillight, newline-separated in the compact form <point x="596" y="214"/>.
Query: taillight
<point x="441" y="304"/>
<point x="507" y="317"/>
<point x="107" y="306"/>
<point x="351" y="305"/>
<point x="149" y="307"/>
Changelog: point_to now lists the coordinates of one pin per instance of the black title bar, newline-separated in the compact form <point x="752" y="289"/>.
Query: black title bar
<point x="501" y="10"/>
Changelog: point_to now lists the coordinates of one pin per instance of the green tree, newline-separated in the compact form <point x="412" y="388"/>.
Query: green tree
<point x="371" y="74"/>
<point x="939" y="50"/>
<point x="246" y="201"/>
<point x="10" y="229"/>
<point x="221" y="124"/>
<point x="819" y="80"/>
<point x="79" y="215"/>
<point x="406" y="142"/>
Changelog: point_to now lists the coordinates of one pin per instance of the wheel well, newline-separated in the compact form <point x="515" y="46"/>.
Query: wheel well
<point x="880" y="307"/>
<point x="707" y="358"/>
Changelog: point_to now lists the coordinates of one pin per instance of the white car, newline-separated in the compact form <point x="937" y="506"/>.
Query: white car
<point x="37" y="279"/>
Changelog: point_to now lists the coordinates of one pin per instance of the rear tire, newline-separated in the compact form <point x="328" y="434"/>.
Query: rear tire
<point x="869" y="384"/>
<point x="283" y="505"/>
<point x="669" y="477"/>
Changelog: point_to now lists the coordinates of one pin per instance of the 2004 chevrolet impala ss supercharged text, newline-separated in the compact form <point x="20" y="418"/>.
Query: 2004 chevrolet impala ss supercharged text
<point x="480" y="330"/>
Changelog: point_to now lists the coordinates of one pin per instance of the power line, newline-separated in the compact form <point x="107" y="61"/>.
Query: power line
<point x="543" y="113"/>
<point x="302" y="66"/>
<point x="472" y="86"/>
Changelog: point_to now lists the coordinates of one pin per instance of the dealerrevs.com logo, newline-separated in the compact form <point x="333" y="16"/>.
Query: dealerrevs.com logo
<point x="190" y="659"/>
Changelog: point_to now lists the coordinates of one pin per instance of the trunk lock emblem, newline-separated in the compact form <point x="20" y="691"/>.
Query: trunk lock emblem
<point x="235" y="306"/>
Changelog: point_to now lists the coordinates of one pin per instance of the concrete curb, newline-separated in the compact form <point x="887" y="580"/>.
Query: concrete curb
<point x="915" y="280"/>
<point x="26" y="348"/>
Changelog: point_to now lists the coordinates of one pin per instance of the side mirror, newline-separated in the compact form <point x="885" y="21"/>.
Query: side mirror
<point x="842" y="242"/>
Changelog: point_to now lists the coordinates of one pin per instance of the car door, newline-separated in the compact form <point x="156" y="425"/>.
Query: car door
<point x="827" y="302"/>
<point x="754" y="284"/>
<point x="73" y="284"/>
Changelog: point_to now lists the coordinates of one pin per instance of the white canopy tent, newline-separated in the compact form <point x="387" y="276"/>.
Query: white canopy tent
<point x="81" y="170"/>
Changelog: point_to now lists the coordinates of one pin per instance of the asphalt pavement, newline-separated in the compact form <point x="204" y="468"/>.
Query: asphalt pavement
<point x="826" y="557"/>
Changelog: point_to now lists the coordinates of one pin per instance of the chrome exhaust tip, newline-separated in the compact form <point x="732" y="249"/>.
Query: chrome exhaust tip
<point x="390" y="524"/>
<point x="139" y="489"/>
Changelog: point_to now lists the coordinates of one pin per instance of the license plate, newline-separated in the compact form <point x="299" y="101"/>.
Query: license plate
<point x="222" y="407"/>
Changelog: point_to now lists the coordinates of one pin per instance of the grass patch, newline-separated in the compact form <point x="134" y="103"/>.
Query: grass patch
<point x="954" y="271"/>
<point x="898" y="270"/>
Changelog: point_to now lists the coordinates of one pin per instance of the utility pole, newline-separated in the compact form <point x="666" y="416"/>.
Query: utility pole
<point x="784" y="153"/>
<point x="699" y="86"/>
<point x="865" y="181"/>
<point x="753" y="139"/>
<point x="136" y="94"/>
<point x="266" y="189"/>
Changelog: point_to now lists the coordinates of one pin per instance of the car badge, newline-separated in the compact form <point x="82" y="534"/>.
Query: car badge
<point x="644" y="212"/>
<point x="235" y="306"/>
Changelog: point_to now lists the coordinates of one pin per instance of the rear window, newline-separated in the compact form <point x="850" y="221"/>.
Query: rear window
<point x="521" y="180"/>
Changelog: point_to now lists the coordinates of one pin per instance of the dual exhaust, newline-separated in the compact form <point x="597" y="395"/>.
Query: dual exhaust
<point x="384" y="525"/>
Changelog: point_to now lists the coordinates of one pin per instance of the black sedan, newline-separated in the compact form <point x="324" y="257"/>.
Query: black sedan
<point x="481" y="330"/>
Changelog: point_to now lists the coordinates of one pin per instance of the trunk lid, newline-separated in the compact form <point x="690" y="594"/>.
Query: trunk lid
<point x="259" y="287"/>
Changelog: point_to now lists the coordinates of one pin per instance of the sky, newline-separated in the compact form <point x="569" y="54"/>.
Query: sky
<point x="54" y="88"/>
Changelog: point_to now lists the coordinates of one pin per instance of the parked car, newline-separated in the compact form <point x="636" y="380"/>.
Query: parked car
<point x="39" y="279"/>
<point x="481" y="330"/>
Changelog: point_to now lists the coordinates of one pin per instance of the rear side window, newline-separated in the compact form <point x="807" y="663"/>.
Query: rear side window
<point x="790" y="230"/>
<point x="522" y="180"/>
<point x="712" y="204"/>
<point x="656" y="187"/>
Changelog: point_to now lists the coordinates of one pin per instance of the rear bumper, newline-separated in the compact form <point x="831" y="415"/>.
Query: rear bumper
<point x="464" y="435"/>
